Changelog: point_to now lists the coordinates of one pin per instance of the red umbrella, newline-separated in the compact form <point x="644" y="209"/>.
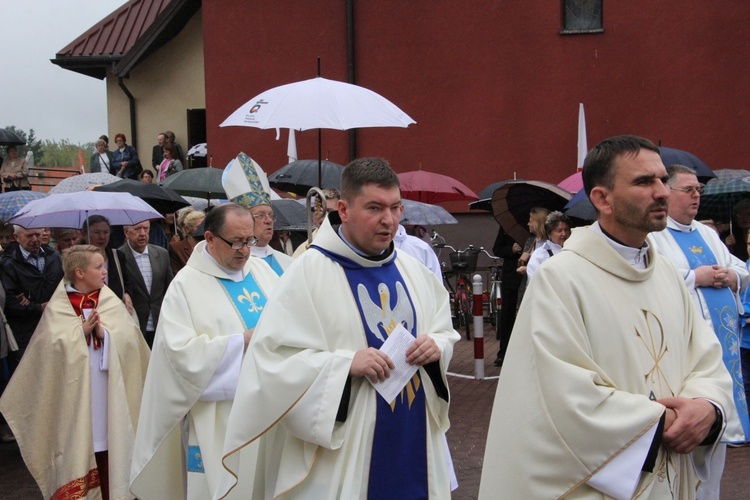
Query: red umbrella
<point x="572" y="183"/>
<point x="428" y="187"/>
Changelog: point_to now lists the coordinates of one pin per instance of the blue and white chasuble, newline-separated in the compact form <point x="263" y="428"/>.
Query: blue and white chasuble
<point x="271" y="261"/>
<point x="398" y="466"/>
<point x="724" y="316"/>
<point x="249" y="301"/>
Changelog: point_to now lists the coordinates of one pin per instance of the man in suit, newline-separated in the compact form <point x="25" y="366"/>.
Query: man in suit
<point x="157" y="153"/>
<point x="510" y="251"/>
<point x="149" y="264"/>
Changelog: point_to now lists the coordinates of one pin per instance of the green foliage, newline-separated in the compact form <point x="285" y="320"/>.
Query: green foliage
<point x="59" y="154"/>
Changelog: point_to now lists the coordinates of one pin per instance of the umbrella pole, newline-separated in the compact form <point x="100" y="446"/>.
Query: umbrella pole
<point x="320" y="161"/>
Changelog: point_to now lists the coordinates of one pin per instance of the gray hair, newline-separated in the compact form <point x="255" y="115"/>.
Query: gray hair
<point x="673" y="170"/>
<point x="101" y="142"/>
<point x="554" y="219"/>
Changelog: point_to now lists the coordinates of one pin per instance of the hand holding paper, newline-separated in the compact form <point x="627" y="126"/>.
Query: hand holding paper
<point x="395" y="347"/>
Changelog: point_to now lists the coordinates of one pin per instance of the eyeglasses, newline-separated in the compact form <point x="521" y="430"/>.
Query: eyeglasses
<point x="271" y="217"/>
<point x="239" y="245"/>
<point x="689" y="190"/>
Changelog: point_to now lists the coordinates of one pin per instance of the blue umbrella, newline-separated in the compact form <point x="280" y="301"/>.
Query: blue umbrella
<point x="671" y="156"/>
<point x="13" y="201"/>
<point x="580" y="207"/>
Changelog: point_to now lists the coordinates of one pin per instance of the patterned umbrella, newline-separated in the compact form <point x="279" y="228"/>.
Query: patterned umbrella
<point x="423" y="214"/>
<point x="13" y="201"/>
<point x="198" y="150"/>
<point x="723" y="193"/>
<point x="83" y="182"/>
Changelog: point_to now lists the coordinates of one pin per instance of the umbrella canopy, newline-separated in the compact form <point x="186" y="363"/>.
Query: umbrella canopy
<point x="671" y="156"/>
<point x="423" y="214"/>
<point x="201" y="204"/>
<point x="290" y="215"/>
<point x="13" y="201"/>
<point x="580" y="207"/>
<point x="723" y="193"/>
<point x="429" y="187"/>
<point x="83" y="182"/>
<point x="572" y="183"/>
<point x="8" y="138"/>
<point x="485" y="195"/>
<point x="512" y="203"/>
<point x="299" y="176"/>
<point x="72" y="209"/>
<point x="318" y="103"/>
<point x="163" y="200"/>
<point x="198" y="182"/>
<point x="198" y="150"/>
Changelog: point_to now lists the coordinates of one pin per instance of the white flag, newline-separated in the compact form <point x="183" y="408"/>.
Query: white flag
<point x="291" y="149"/>
<point x="582" y="145"/>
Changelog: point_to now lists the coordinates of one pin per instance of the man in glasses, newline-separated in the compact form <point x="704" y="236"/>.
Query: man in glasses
<point x="713" y="277"/>
<point x="207" y="318"/>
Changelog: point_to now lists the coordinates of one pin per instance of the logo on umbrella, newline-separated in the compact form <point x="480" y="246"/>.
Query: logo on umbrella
<point x="257" y="105"/>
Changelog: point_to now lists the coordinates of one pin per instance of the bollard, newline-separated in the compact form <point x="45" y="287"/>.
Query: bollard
<point x="478" y="312"/>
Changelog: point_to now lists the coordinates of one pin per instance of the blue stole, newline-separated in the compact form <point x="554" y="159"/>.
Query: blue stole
<point x="722" y="307"/>
<point x="398" y="466"/>
<point x="249" y="301"/>
<point x="271" y="261"/>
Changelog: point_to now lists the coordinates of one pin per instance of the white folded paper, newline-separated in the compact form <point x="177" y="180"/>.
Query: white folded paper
<point x="395" y="347"/>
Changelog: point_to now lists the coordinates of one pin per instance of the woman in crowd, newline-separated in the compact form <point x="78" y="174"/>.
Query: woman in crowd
<point x="557" y="227"/>
<point x="537" y="218"/>
<point x="103" y="160"/>
<point x="745" y="335"/>
<point x="147" y="176"/>
<point x="15" y="171"/>
<point x="737" y="240"/>
<point x="188" y="220"/>
<point x="171" y="164"/>
<point x="96" y="230"/>
<point x="126" y="163"/>
<point x="65" y="238"/>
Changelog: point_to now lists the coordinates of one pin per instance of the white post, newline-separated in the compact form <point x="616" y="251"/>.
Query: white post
<point x="478" y="312"/>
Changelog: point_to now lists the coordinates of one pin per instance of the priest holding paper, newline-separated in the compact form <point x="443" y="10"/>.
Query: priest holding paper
<point x="305" y="392"/>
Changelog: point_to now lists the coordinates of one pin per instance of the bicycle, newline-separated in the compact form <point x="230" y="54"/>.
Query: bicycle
<point x="463" y="264"/>
<point x="494" y="295"/>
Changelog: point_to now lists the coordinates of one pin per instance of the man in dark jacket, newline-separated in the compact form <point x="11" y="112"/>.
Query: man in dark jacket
<point x="31" y="272"/>
<point x="510" y="251"/>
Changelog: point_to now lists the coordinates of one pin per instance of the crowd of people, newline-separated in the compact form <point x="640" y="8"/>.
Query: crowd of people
<point x="167" y="158"/>
<point x="229" y="360"/>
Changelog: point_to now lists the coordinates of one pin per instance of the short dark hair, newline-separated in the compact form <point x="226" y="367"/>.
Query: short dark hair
<point x="673" y="170"/>
<point x="93" y="219"/>
<point x="216" y="218"/>
<point x="366" y="171"/>
<point x="598" y="167"/>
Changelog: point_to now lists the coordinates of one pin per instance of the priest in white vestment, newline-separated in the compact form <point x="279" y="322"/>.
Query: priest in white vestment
<point x="613" y="385"/>
<point x="323" y="430"/>
<point x="207" y="319"/>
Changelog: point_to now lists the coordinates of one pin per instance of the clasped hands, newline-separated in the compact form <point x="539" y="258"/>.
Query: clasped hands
<point x="93" y="325"/>
<point x="687" y="422"/>
<point x="715" y="276"/>
<point x="376" y="365"/>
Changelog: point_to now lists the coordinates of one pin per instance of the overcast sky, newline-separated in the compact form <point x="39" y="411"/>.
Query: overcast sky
<point x="34" y="93"/>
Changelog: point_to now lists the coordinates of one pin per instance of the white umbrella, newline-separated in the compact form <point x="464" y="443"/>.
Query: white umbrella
<point x="198" y="150"/>
<point x="318" y="103"/>
<point x="83" y="182"/>
<point x="417" y="213"/>
<point x="72" y="209"/>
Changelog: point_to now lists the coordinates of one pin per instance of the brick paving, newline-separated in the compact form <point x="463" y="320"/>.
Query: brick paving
<point x="471" y="406"/>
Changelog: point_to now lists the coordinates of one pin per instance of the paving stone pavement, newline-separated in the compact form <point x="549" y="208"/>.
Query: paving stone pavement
<point x="471" y="406"/>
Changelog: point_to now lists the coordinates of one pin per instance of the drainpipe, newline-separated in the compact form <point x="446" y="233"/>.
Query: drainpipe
<point x="131" y="100"/>
<point x="350" y="63"/>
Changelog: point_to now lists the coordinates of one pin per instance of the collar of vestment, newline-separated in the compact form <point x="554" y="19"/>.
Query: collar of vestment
<point x="204" y="262"/>
<point x="259" y="251"/>
<point x="593" y="245"/>
<point x="673" y="224"/>
<point x="328" y="238"/>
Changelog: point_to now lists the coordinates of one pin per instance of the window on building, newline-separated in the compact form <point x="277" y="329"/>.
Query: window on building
<point x="582" y="16"/>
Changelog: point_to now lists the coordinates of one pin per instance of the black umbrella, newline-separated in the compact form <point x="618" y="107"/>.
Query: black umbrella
<point x="8" y="138"/>
<point x="580" y="207"/>
<point x="485" y="195"/>
<point x="290" y="215"/>
<point x="163" y="200"/>
<point x="299" y="176"/>
<point x="198" y="182"/>
<point x="671" y="156"/>
<point x="512" y="203"/>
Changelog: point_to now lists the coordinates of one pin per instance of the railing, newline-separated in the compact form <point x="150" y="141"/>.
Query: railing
<point x="45" y="178"/>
